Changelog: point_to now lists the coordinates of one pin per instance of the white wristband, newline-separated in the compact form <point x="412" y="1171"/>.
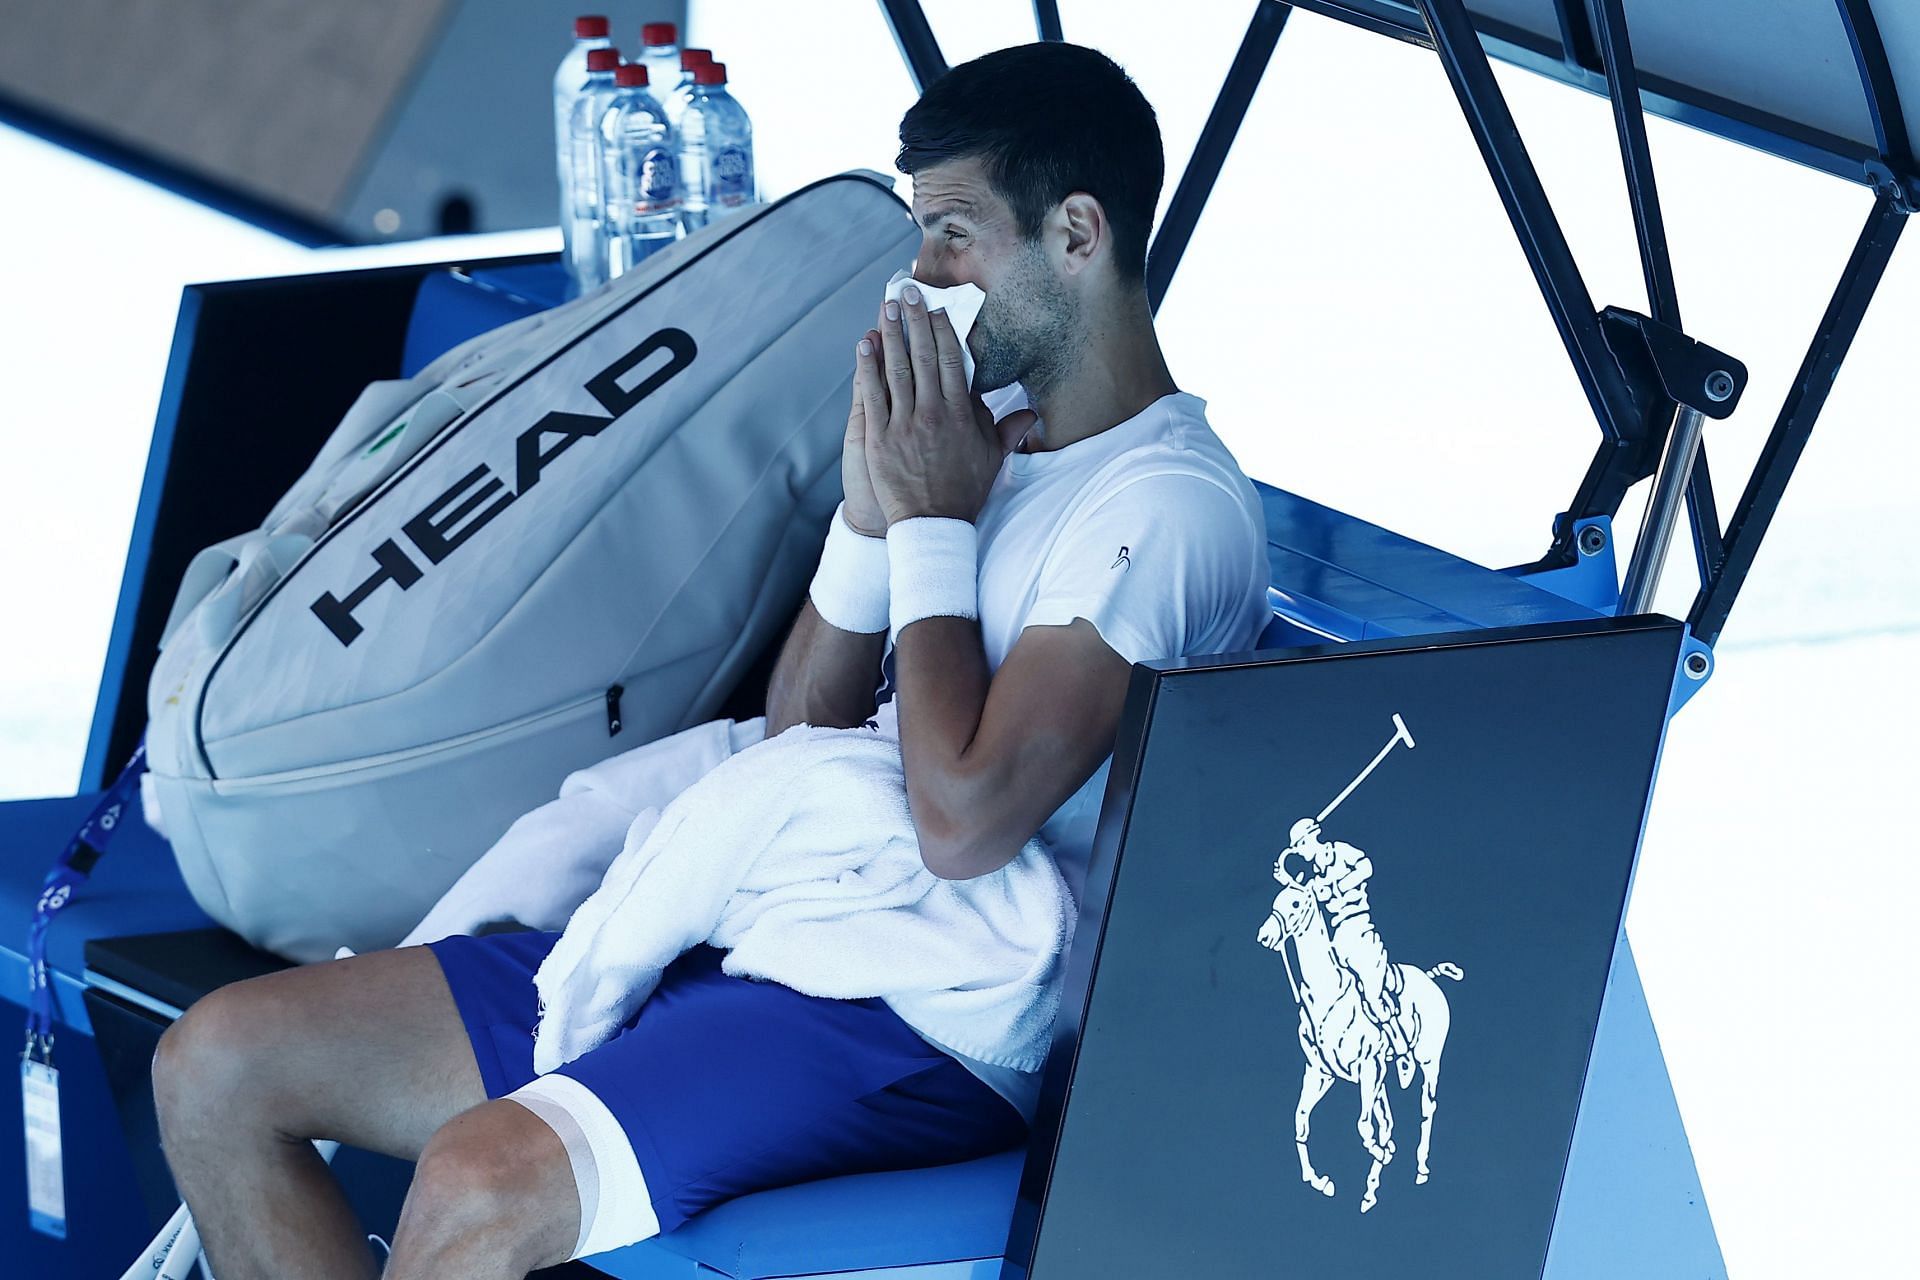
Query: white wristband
<point x="850" y="587"/>
<point x="933" y="567"/>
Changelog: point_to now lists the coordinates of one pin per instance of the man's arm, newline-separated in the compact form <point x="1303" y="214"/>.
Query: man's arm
<point x="990" y="757"/>
<point x="825" y="676"/>
<point x="1356" y="873"/>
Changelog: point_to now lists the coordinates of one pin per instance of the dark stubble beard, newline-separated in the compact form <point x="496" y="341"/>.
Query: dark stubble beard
<point x="1028" y="330"/>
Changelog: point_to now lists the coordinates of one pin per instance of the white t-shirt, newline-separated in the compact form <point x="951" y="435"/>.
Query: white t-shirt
<point x="1148" y="530"/>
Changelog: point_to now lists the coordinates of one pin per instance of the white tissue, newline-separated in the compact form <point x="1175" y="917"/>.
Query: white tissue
<point x="962" y="303"/>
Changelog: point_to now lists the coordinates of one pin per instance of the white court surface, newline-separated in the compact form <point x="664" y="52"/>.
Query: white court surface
<point x="1356" y="312"/>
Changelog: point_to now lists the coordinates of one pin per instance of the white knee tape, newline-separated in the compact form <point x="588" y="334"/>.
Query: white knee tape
<point x="933" y="568"/>
<point x="850" y="587"/>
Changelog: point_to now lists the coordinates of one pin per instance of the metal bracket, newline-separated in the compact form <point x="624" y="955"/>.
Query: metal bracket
<point x="1592" y="580"/>
<point x="1690" y="674"/>
<point x="1902" y="193"/>
<point x="1690" y="372"/>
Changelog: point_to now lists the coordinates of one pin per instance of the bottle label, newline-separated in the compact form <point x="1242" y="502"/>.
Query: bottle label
<point x="659" y="187"/>
<point x="732" y="176"/>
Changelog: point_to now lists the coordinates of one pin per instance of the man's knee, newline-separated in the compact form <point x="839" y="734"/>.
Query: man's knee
<point x="489" y="1171"/>
<point x="218" y="1054"/>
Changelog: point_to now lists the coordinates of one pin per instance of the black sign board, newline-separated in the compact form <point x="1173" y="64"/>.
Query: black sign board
<point x="1343" y="948"/>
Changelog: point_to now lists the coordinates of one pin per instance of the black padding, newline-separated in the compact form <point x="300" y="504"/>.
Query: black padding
<point x="178" y="968"/>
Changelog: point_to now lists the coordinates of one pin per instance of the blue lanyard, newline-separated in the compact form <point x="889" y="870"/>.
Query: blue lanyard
<point x="68" y="874"/>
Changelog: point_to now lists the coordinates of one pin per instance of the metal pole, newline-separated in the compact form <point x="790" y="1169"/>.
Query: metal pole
<point x="1794" y="426"/>
<point x="1576" y="34"/>
<point x="1656" y="264"/>
<point x="918" y="49"/>
<point x="1046" y="19"/>
<point x="1663" y="511"/>
<point x="1630" y="122"/>
<point x="1876" y="81"/>
<point x="1703" y="514"/>
<point x="1531" y="213"/>
<point x="1210" y="151"/>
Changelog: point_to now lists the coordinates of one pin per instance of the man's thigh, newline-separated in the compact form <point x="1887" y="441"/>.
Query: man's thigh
<point x="369" y="1050"/>
<point x="1362" y="951"/>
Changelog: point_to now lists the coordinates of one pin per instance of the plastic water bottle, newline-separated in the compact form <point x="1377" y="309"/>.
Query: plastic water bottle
<point x="639" y="173"/>
<point x="674" y="97"/>
<point x="716" y="149"/>
<point x="660" y="54"/>
<point x="586" y="257"/>
<point x="589" y="32"/>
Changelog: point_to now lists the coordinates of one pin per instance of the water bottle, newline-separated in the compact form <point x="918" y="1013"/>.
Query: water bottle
<point x="640" y="175"/>
<point x="716" y="149"/>
<point x="586" y="257"/>
<point x="674" y="98"/>
<point x="588" y="33"/>
<point x="660" y="55"/>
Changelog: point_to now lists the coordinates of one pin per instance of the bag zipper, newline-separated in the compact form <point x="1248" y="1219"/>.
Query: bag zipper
<point x="577" y="709"/>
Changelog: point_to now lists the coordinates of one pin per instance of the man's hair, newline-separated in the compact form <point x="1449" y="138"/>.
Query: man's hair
<point x="1046" y="120"/>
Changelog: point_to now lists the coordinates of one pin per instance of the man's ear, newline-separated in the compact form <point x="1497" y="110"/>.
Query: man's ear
<point x="1087" y="230"/>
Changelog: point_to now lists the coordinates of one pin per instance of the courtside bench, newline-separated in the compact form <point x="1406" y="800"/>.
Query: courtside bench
<point x="134" y="950"/>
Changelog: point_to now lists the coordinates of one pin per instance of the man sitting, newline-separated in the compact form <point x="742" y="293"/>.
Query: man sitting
<point x="1099" y="521"/>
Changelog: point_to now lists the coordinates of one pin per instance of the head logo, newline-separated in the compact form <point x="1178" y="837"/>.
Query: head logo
<point x="473" y="500"/>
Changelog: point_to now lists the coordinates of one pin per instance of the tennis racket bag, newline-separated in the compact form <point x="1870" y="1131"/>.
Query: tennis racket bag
<point x="562" y="539"/>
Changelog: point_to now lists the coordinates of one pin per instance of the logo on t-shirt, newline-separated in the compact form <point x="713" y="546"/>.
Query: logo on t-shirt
<point x="1121" y="561"/>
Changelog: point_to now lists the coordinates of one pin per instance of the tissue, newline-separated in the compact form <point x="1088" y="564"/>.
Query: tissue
<point x="962" y="303"/>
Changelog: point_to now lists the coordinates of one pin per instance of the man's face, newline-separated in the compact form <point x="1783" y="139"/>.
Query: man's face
<point x="1026" y="328"/>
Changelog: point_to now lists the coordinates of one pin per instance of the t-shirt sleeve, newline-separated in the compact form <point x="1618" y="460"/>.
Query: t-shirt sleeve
<point x="1159" y="567"/>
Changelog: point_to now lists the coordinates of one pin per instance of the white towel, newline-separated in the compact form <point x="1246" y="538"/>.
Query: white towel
<point x="798" y="857"/>
<point x="549" y="860"/>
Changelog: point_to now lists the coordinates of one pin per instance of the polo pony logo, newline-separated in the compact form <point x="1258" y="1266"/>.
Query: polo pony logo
<point x="1358" y="1011"/>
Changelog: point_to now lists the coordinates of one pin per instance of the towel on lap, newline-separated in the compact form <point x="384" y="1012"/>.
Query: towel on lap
<point x="550" y="859"/>
<point x="798" y="857"/>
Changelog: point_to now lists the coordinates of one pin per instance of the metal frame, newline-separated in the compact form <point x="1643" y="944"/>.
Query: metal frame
<point x="1575" y="60"/>
<point x="1211" y="148"/>
<point x="914" y="36"/>
<point x="1883" y="102"/>
<point x="1799" y="411"/>
<point x="1046" y="19"/>
<point x="1650" y="424"/>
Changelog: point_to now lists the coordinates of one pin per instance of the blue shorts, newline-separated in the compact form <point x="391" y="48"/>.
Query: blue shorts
<point x="719" y="1086"/>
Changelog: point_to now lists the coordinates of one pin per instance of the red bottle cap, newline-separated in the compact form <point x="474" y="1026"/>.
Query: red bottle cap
<point x="711" y="73"/>
<point x="603" y="59"/>
<point x="691" y="58"/>
<point x="658" y="33"/>
<point x="592" y="27"/>
<point x="630" y="75"/>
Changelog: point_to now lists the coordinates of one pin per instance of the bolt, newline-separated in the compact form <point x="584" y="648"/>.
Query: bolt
<point x="1593" y="540"/>
<point x="1719" y="386"/>
<point x="1696" y="665"/>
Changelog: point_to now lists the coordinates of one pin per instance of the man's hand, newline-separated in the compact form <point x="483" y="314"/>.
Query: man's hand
<point x="1272" y="937"/>
<point x="863" y="511"/>
<point x="932" y="447"/>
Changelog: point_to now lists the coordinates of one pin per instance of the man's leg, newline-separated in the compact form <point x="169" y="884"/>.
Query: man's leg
<point x="370" y="1051"/>
<point x="493" y="1198"/>
<point x="1359" y="947"/>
